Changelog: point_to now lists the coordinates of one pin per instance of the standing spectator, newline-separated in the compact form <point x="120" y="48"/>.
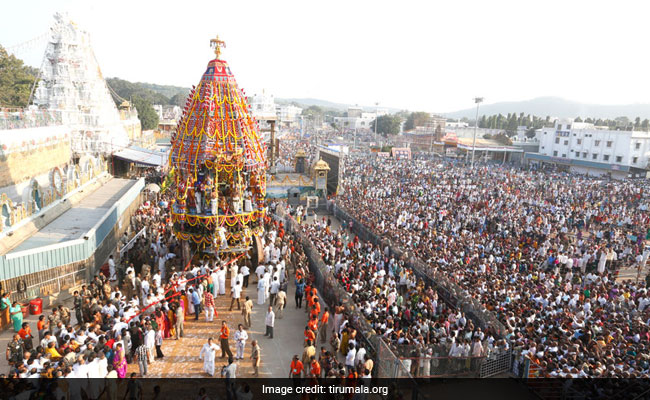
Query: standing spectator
<point x="223" y="337"/>
<point x="245" y="271"/>
<point x="300" y="291"/>
<point x="77" y="304"/>
<point x="256" y="355"/>
<point x="236" y="294"/>
<point x="275" y="288"/>
<point x="247" y="310"/>
<point x="25" y="334"/>
<point x="270" y="322"/>
<point x="15" y="351"/>
<point x="180" y="317"/>
<point x="209" y="306"/>
<point x="281" y="302"/>
<point x="142" y="358"/>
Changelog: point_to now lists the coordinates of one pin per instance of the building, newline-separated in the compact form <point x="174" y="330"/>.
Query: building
<point x="263" y="109"/>
<point x="71" y="84"/>
<point x="288" y="115"/>
<point x="422" y="138"/>
<point x="583" y="148"/>
<point x="168" y="117"/>
<point x="456" y="124"/>
<point x="356" y="118"/>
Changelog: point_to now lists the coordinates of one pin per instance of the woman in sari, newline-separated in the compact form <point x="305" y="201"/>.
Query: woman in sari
<point x="183" y="301"/>
<point x="16" y="313"/>
<point x="171" y="323"/>
<point x="344" y="342"/>
<point x="160" y="320"/>
<point x="119" y="361"/>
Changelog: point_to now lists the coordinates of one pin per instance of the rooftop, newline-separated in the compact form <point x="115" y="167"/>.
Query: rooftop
<point x="81" y="218"/>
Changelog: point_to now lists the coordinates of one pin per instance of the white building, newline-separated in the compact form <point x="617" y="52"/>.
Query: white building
<point x="263" y="106"/>
<point x="288" y="115"/>
<point x="587" y="149"/>
<point x="456" y="124"/>
<point x="356" y="118"/>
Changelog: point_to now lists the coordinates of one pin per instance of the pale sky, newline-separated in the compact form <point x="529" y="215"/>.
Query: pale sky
<point x="419" y="55"/>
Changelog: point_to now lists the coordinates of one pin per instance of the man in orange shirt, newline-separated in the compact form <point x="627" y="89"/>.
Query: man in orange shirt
<point x="309" y="335"/>
<point x="324" y="319"/>
<point x="313" y="325"/>
<point x="295" y="370"/>
<point x="308" y="297"/>
<point x="225" y="334"/>
<point x="314" y="367"/>
<point x="26" y="335"/>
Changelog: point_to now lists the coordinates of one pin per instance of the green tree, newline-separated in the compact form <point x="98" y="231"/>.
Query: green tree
<point x="578" y="119"/>
<point x="312" y="111"/>
<point x="416" y="119"/>
<point x="499" y="138"/>
<point x="530" y="133"/>
<point x="178" y="100"/>
<point x="387" y="124"/>
<point x="147" y="115"/>
<point x="16" y="80"/>
<point x="645" y="124"/>
<point x="129" y="90"/>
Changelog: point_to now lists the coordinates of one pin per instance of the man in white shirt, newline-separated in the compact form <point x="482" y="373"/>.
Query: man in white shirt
<point x="112" y="271"/>
<point x="236" y="294"/>
<point x="270" y="322"/>
<point x="240" y="342"/>
<point x="350" y="358"/>
<point x="275" y="288"/>
<point x="259" y="271"/>
<point x="245" y="272"/>
<point x="161" y="267"/>
<point x="157" y="279"/>
<point x="150" y="342"/>
<point x="221" y="280"/>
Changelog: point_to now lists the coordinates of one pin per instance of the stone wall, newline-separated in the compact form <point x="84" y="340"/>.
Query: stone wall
<point x="25" y="153"/>
<point x="56" y="285"/>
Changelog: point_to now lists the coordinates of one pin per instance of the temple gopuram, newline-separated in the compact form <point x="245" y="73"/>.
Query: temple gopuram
<point x="219" y="166"/>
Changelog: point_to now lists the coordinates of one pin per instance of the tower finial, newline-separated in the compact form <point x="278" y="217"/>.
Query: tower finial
<point x="217" y="44"/>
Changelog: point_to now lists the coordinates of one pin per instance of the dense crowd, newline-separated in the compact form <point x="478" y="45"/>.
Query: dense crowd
<point x="124" y="315"/>
<point x="421" y="328"/>
<point x="540" y="249"/>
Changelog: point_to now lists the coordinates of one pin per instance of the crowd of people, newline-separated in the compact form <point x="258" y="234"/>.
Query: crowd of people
<point x="127" y="312"/>
<point x="540" y="249"/>
<point x="408" y="313"/>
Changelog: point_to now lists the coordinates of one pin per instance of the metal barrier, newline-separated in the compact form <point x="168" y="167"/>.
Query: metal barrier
<point x="387" y="364"/>
<point x="450" y="292"/>
<point x="330" y="291"/>
<point x="453" y="295"/>
<point x="496" y="363"/>
<point x="131" y="242"/>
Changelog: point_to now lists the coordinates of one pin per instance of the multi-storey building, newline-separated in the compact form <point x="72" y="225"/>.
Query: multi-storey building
<point x="587" y="149"/>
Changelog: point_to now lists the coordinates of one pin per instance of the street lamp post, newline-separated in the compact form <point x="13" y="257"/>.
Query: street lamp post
<point x="478" y="101"/>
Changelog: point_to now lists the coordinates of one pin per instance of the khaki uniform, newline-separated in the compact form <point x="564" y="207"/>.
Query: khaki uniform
<point x="246" y="312"/>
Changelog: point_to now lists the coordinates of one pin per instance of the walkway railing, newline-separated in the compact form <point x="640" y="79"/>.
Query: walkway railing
<point x="449" y="291"/>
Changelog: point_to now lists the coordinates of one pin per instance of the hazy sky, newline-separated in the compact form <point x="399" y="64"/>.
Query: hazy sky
<point x="424" y="55"/>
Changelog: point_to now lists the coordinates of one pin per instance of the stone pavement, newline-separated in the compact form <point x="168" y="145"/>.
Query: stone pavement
<point x="182" y="356"/>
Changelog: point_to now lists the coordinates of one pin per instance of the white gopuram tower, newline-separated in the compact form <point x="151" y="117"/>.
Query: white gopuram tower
<point x="72" y="84"/>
